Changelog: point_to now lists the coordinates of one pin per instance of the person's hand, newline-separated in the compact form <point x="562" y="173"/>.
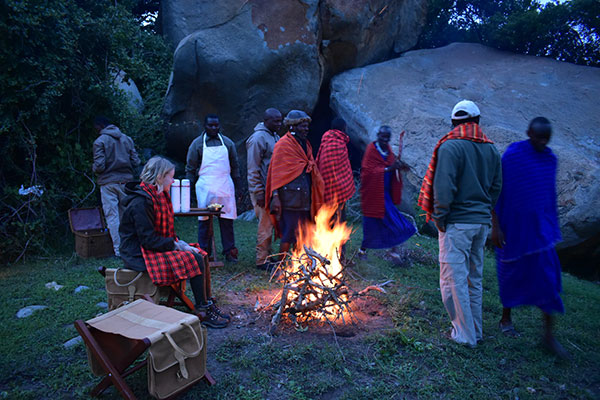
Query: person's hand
<point x="498" y="237"/>
<point x="440" y="226"/>
<point x="260" y="200"/>
<point x="403" y="166"/>
<point x="180" y="245"/>
<point x="497" y="234"/>
<point x="275" y="207"/>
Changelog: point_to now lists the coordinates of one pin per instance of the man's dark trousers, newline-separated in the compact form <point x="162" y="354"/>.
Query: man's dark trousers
<point x="227" y="238"/>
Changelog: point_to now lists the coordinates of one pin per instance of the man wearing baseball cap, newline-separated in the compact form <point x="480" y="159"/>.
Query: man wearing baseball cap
<point x="461" y="186"/>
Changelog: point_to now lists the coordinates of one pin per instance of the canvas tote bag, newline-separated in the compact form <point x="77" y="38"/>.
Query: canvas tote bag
<point x="177" y="360"/>
<point x="124" y="286"/>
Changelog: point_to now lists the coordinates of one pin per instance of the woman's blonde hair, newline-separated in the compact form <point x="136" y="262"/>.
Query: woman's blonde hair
<point x="155" y="169"/>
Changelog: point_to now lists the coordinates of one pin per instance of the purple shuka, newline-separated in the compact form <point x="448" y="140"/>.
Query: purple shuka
<point x="529" y="271"/>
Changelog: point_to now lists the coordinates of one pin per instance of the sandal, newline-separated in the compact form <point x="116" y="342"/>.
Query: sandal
<point x="555" y="348"/>
<point x="508" y="329"/>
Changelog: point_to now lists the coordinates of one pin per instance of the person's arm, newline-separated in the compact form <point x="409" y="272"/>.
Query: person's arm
<point x="235" y="166"/>
<point x="497" y="234"/>
<point x="444" y="185"/>
<point x="99" y="157"/>
<point x="134" y="159"/>
<point x="193" y="160"/>
<point x="496" y="187"/>
<point x="255" y="149"/>
<point x="275" y="206"/>
<point x="144" y="228"/>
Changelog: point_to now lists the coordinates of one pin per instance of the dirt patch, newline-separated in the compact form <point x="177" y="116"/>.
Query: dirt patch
<point x="249" y="314"/>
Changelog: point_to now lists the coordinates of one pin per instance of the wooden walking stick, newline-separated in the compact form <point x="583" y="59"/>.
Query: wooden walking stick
<point x="400" y="146"/>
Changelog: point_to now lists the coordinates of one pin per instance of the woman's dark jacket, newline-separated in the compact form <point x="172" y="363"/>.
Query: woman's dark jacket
<point x="137" y="228"/>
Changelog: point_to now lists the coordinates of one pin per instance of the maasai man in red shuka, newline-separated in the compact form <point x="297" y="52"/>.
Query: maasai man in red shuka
<point x="294" y="191"/>
<point x="334" y="166"/>
<point x="149" y="243"/>
<point x="381" y="187"/>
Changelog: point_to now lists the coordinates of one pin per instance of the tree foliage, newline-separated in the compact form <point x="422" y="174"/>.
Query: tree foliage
<point x="566" y="31"/>
<point x="59" y="59"/>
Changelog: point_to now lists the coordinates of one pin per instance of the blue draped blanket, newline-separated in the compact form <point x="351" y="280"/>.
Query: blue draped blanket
<point x="528" y="267"/>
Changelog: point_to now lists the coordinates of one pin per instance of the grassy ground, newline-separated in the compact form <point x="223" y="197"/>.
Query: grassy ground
<point x="412" y="359"/>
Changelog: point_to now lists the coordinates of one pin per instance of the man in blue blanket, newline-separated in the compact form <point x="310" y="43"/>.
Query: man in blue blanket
<point x="525" y="230"/>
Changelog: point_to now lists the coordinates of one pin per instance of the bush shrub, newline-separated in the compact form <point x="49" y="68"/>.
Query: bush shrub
<point x="58" y="60"/>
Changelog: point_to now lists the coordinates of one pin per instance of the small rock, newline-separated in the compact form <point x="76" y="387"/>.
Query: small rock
<point x="249" y="216"/>
<point x="530" y="389"/>
<point x="562" y="387"/>
<point x="73" y="342"/>
<point x="102" y="304"/>
<point x="53" y="285"/>
<point x="81" y="288"/>
<point x="29" y="310"/>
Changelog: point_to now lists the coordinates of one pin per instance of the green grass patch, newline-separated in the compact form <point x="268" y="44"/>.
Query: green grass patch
<point x="410" y="360"/>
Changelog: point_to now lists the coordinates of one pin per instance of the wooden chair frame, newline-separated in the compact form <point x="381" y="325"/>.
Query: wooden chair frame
<point x="116" y="355"/>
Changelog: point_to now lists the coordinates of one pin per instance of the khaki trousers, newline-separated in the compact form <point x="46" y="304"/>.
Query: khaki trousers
<point x="112" y="195"/>
<point x="264" y="235"/>
<point x="461" y="275"/>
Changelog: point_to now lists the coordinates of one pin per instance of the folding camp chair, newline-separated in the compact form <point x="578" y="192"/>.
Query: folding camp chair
<point x="116" y="339"/>
<point x="176" y="292"/>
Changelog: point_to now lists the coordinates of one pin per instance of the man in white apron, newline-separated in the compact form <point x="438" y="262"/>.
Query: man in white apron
<point x="213" y="164"/>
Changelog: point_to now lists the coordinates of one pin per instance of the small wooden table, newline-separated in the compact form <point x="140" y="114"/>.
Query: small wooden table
<point x="204" y="212"/>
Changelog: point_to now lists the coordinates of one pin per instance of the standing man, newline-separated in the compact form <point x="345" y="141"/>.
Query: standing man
<point x="294" y="184"/>
<point x="115" y="159"/>
<point x="334" y="166"/>
<point x="212" y="164"/>
<point x="525" y="230"/>
<point x="381" y="188"/>
<point x="259" y="147"/>
<point x="461" y="186"/>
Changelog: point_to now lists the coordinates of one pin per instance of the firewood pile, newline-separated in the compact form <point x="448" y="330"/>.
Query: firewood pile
<point x="312" y="291"/>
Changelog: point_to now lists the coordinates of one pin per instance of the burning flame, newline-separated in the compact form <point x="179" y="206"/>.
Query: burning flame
<point x="326" y="237"/>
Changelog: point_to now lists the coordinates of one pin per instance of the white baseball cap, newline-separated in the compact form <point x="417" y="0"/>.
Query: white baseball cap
<point x="468" y="107"/>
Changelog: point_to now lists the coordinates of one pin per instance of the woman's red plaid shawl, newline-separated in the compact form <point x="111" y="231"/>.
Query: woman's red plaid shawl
<point x="167" y="267"/>
<point x="468" y="131"/>
<point x="334" y="167"/>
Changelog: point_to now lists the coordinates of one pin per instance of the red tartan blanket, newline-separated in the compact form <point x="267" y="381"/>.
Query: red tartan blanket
<point x="335" y="168"/>
<point x="166" y="268"/>
<point x="372" y="182"/>
<point x="469" y="131"/>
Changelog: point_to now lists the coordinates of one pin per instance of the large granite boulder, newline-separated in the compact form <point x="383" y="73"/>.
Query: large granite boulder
<point x="239" y="67"/>
<point x="238" y="57"/>
<point x="129" y="89"/>
<point x="356" y="33"/>
<point x="417" y="91"/>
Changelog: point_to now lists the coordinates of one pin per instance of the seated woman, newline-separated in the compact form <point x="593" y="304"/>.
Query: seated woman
<point x="148" y="241"/>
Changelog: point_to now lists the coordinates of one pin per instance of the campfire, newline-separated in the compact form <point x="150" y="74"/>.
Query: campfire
<point x="313" y="276"/>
